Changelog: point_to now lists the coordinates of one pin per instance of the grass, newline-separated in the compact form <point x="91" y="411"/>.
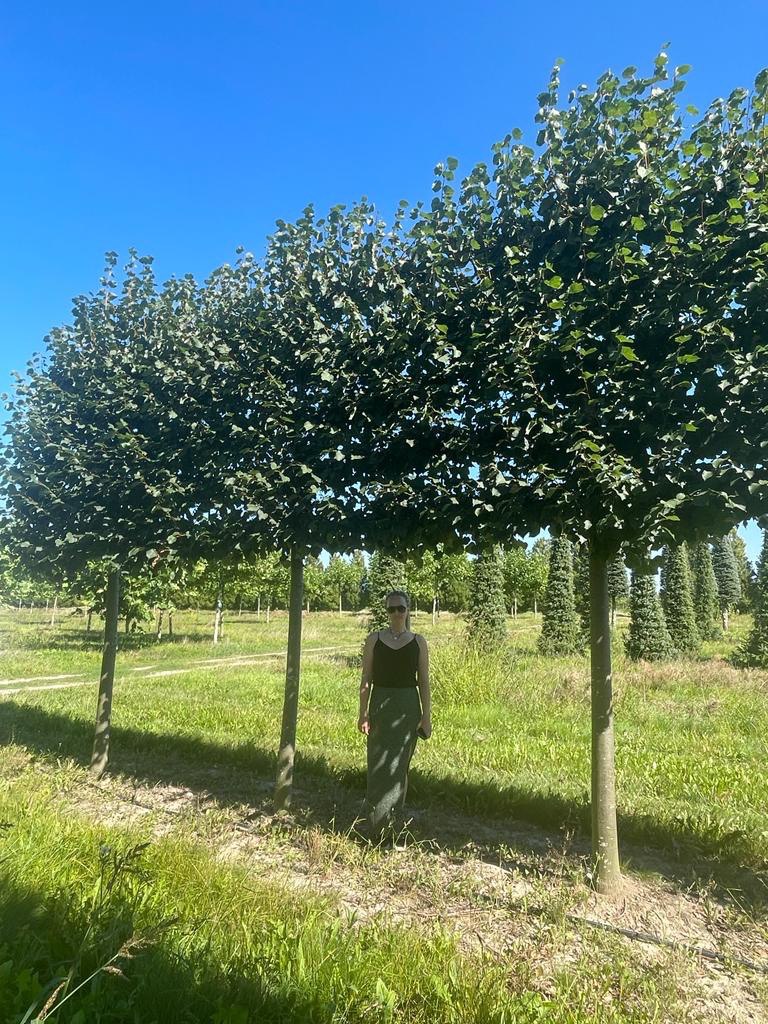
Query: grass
<point x="184" y="939"/>
<point x="511" y="743"/>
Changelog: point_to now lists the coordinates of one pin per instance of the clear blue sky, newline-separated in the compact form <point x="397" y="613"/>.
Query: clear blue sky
<point x="186" y="129"/>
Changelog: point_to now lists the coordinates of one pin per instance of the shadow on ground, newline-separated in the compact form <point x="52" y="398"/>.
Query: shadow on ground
<point x="330" y="797"/>
<point x="79" y="640"/>
<point x="42" y="938"/>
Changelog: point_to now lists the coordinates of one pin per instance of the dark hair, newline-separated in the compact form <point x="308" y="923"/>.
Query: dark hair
<point x="406" y="600"/>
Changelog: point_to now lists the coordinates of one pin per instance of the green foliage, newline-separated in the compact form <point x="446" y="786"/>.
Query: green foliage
<point x="613" y="369"/>
<point x="455" y="582"/>
<point x="754" y="652"/>
<point x="487" y="618"/>
<point x="746" y="572"/>
<point x="385" y="573"/>
<point x="581" y="588"/>
<point x="317" y="590"/>
<point x="525" y="574"/>
<point x="560" y="629"/>
<point x="677" y="601"/>
<point x="96" y="464"/>
<point x="648" y="637"/>
<point x="726" y="571"/>
<point x="618" y="584"/>
<point x="704" y="585"/>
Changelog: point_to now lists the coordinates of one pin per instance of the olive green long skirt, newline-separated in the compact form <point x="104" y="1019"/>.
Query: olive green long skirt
<point x="394" y="714"/>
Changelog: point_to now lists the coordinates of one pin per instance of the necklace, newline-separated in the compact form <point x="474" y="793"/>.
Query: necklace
<point x="396" y="635"/>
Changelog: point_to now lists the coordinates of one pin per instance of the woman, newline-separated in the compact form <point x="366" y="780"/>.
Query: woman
<point x="396" y="666"/>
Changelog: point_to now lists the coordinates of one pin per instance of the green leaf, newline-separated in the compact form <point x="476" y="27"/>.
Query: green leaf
<point x="677" y="227"/>
<point x="629" y="353"/>
<point x="596" y="211"/>
<point x="554" y="282"/>
<point x="638" y="223"/>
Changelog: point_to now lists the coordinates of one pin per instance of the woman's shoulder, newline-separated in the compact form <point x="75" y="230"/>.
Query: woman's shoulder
<point x="420" y="640"/>
<point x="371" y="639"/>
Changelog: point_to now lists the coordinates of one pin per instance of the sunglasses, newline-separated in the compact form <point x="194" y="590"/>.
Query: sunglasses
<point x="396" y="608"/>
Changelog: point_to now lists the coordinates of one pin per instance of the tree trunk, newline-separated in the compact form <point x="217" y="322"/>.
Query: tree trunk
<point x="258" y="606"/>
<point x="218" y="630"/>
<point x="605" y="845"/>
<point x="514" y="608"/>
<point x="88" y="618"/>
<point x="55" y="608"/>
<point x="340" y="608"/>
<point x="286" y="754"/>
<point x="726" y="617"/>
<point x="170" y="624"/>
<point x="269" y="607"/>
<point x="159" y="630"/>
<point x="613" y="613"/>
<point x="100" y="756"/>
<point x="239" y="606"/>
<point x="127" y="624"/>
<point x="434" y="609"/>
<point x="47" y="603"/>
<point x="535" y="606"/>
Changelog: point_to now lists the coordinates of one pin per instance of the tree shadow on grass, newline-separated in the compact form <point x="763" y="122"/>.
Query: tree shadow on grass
<point x="79" y="640"/>
<point x="330" y="797"/>
<point x="41" y="937"/>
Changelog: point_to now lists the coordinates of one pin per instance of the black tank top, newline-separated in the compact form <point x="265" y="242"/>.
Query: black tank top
<point x="395" y="667"/>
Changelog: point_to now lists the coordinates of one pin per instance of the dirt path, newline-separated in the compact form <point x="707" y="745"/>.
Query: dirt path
<point x="74" y="679"/>
<point x="512" y="891"/>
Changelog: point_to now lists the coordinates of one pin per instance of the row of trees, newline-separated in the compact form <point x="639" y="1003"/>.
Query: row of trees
<point x="569" y="340"/>
<point x="435" y="580"/>
<point x="699" y="586"/>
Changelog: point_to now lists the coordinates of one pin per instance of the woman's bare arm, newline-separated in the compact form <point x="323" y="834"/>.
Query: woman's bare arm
<point x="424" y="688"/>
<point x="365" y="683"/>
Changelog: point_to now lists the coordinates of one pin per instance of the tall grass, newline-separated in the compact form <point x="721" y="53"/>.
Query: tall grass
<point x="161" y="932"/>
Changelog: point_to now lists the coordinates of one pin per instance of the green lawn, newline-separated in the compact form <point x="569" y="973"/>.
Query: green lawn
<point x="511" y="742"/>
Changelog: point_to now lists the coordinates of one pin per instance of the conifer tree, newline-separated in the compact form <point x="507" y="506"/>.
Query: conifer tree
<point x="746" y="572"/>
<point x="487" y="619"/>
<point x="580" y="555"/>
<point x="727" y="576"/>
<point x="648" y="637"/>
<point x="618" y="585"/>
<point x="704" y="585"/>
<point x="384" y="574"/>
<point x="678" y="602"/>
<point x="754" y="651"/>
<point x="560" y="628"/>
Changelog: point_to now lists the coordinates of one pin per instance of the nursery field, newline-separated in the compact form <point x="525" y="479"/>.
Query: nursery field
<point x="173" y="879"/>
